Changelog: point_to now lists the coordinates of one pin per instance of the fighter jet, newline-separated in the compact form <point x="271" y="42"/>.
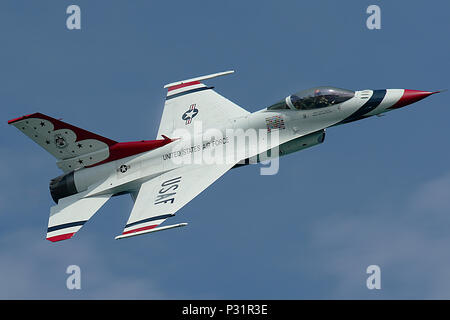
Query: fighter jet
<point x="163" y="175"/>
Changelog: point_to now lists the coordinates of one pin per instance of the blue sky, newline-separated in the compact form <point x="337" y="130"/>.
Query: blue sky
<point x="375" y="192"/>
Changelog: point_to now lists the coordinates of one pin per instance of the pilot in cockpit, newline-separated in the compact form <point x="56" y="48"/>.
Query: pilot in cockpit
<point x="320" y="99"/>
<point x="314" y="98"/>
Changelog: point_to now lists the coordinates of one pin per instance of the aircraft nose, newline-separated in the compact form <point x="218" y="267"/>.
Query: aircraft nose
<point x="411" y="96"/>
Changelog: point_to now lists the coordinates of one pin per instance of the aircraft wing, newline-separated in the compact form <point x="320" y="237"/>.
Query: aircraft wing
<point x="159" y="198"/>
<point x="191" y="101"/>
<point x="187" y="102"/>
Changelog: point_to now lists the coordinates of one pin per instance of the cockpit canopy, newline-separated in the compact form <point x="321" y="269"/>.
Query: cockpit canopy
<point x="314" y="98"/>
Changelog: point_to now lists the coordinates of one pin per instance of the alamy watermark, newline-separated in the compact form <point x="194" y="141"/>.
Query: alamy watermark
<point x="74" y="279"/>
<point x="73" y="22"/>
<point x="374" y="280"/>
<point x="373" y="22"/>
<point x="227" y="146"/>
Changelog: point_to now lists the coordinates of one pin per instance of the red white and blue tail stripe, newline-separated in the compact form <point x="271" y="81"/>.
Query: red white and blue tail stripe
<point x="71" y="214"/>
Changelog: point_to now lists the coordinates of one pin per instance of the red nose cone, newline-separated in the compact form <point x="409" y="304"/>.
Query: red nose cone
<point x="411" y="96"/>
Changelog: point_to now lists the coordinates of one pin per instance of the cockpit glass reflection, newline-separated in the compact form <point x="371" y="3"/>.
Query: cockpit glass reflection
<point x="314" y="98"/>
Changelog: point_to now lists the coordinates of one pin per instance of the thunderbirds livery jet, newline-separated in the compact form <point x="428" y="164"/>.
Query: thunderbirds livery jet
<point x="155" y="172"/>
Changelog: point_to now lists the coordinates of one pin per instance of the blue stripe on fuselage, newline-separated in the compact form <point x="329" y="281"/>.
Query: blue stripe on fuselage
<point x="371" y="104"/>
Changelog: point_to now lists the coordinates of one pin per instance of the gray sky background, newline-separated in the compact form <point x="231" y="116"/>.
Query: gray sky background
<point x="376" y="192"/>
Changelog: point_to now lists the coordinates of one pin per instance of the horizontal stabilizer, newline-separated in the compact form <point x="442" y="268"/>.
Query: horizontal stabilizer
<point x="151" y="230"/>
<point x="71" y="214"/>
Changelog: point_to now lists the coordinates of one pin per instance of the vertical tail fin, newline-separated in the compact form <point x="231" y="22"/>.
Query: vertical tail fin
<point x="64" y="141"/>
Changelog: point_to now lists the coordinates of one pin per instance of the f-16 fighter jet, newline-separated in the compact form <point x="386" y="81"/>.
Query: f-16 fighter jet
<point x="163" y="175"/>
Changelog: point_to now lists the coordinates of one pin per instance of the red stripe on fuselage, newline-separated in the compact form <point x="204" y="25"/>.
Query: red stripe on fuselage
<point x="411" y="96"/>
<point x="122" y="150"/>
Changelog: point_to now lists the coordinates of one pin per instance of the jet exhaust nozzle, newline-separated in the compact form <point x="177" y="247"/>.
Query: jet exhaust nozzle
<point x="63" y="186"/>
